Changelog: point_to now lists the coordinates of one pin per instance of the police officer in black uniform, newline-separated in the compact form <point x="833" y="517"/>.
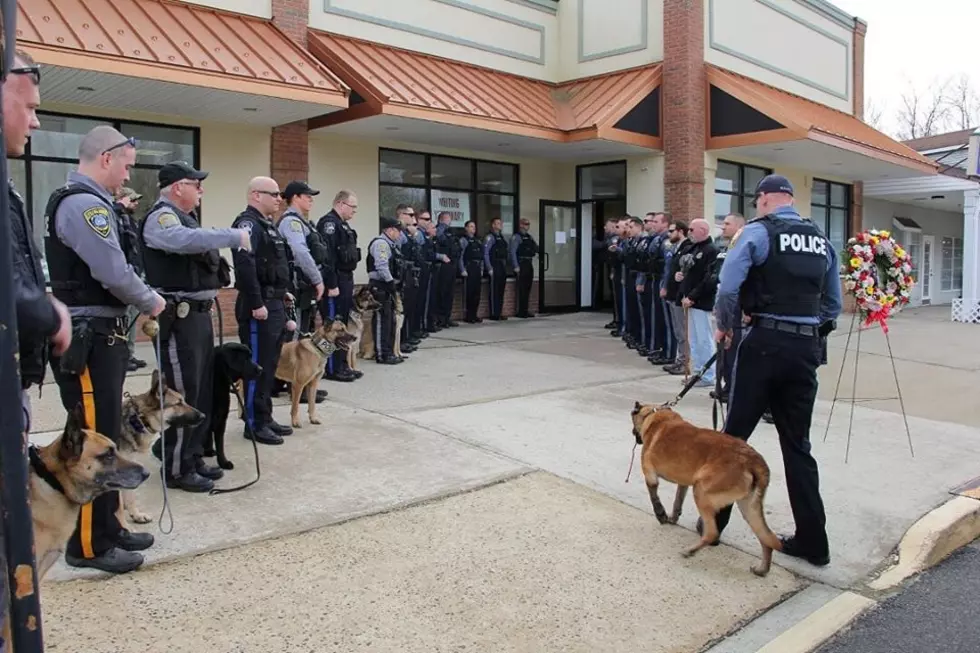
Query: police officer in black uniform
<point x="411" y="253"/>
<point x="90" y="263"/>
<point x="338" y="275"/>
<point x="183" y="264"/>
<point x="434" y="258"/>
<point x="495" y="263"/>
<point x="471" y="269"/>
<point x="523" y="251"/>
<point x="263" y="278"/>
<point x="784" y="272"/>
<point x="447" y="248"/>
<point x="385" y="266"/>
<point x="631" y="266"/>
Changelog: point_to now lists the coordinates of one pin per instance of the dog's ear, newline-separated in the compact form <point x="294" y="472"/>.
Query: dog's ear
<point x="73" y="438"/>
<point x="155" y="382"/>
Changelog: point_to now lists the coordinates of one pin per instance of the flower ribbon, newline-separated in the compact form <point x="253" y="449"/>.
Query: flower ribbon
<point x="881" y="317"/>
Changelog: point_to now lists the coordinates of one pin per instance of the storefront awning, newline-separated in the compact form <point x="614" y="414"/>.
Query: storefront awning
<point x="622" y="107"/>
<point x="752" y="119"/>
<point x="173" y="58"/>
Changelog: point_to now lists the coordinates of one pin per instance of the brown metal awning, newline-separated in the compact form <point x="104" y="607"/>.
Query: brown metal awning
<point x="175" y="42"/>
<point x="397" y="82"/>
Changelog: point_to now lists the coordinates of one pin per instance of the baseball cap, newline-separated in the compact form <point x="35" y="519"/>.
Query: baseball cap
<point x="295" y="188"/>
<point x="126" y="191"/>
<point x="176" y="171"/>
<point x="774" y="184"/>
<point x="390" y="223"/>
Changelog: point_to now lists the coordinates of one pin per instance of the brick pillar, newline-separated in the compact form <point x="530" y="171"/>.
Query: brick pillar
<point x="684" y="107"/>
<point x="857" y="200"/>
<point x="290" y="143"/>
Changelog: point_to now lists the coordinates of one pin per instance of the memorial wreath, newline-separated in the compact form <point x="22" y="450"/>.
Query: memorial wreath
<point x="877" y="271"/>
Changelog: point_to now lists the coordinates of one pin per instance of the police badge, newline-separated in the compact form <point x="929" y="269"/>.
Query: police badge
<point x="183" y="310"/>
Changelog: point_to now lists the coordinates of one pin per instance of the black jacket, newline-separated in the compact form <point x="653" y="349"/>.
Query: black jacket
<point x="698" y="283"/>
<point x="37" y="319"/>
<point x="672" y="286"/>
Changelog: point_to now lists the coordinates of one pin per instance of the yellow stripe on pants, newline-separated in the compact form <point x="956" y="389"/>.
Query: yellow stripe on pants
<point x="88" y="403"/>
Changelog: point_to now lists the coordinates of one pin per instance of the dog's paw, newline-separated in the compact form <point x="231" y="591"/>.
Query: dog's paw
<point x="296" y="424"/>
<point x="673" y="519"/>
<point x="687" y="553"/>
<point x="140" y="518"/>
<point x="226" y="464"/>
<point x="661" y="517"/>
<point x="760" y="571"/>
<point x="209" y="453"/>
<point x="315" y="420"/>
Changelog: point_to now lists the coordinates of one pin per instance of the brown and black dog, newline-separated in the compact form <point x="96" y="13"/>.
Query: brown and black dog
<point x="302" y="362"/>
<point x="722" y="470"/>
<point x="359" y="325"/>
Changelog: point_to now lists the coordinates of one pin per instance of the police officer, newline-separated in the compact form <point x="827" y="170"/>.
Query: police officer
<point x="384" y="266"/>
<point x="656" y="224"/>
<point x="426" y="256"/>
<point x="495" y="260"/>
<point x="447" y="247"/>
<point x="308" y="249"/>
<point x="182" y="263"/>
<point x="338" y="274"/>
<point x="784" y="272"/>
<point x="633" y="234"/>
<point x="611" y="257"/>
<point x="432" y="255"/>
<point x="645" y="253"/>
<point x="127" y="201"/>
<point x="262" y="277"/>
<point x="471" y="269"/>
<point x="731" y="225"/>
<point x="410" y="250"/>
<point x="90" y="263"/>
<point x="523" y="251"/>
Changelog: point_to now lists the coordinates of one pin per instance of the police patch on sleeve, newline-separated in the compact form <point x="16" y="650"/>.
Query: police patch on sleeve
<point x="98" y="218"/>
<point x="330" y="228"/>
<point x="167" y="220"/>
<point x="295" y="225"/>
<point x="247" y="226"/>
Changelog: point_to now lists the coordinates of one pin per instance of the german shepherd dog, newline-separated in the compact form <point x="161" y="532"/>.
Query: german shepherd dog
<point x="302" y="362"/>
<point x="722" y="469"/>
<point x="142" y="423"/>
<point x="365" y="304"/>
<point x="399" y="321"/>
<point x="233" y="366"/>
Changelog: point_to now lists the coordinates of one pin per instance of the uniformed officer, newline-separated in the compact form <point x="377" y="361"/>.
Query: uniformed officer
<point x="426" y="249"/>
<point x="784" y="273"/>
<point x="611" y="257"/>
<point x="431" y="254"/>
<point x="523" y="251"/>
<point x="182" y="263"/>
<point x="447" y="246"/>
<point x="471" y="269"/>
<point x="338" y="274"/>
<point x="633" y="234"/>
<point x="127" y="201"/>
<point x="731" y="225"/>
<point x="384" y="266"/>
<point x="657" y="224"/>
<point x="495" y="262"/>
<point x="90" y="263"/>
<point x="308" y="249"/>
<point x="410" y="275"/>
<point x="644" y="302"/>
<point x="263" y="278"/>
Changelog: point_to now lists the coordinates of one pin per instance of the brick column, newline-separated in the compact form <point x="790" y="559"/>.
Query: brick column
<point x="683" y="106"/>
<point x="290" y="143"/>
<point x="857" y="74"/>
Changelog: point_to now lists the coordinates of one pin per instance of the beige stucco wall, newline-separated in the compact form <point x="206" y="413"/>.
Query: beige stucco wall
<point x="261" y="8"/>
<point x="644" y="184"/>
<point x="600" y="36"/>
<point x="783" y="43"/>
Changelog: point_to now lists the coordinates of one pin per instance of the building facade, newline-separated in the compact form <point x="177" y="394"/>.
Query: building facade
<point x="565" y="112"/>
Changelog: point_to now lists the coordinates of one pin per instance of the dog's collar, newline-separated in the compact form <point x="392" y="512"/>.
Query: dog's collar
<point x="42" y="470"/>
<point x="135" y="421"/>
<point x="322" y="345"/>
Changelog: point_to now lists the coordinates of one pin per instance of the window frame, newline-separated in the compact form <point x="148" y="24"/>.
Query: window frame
<point x="744" y="197"/>
<point x="829" y="206"/>
<point x="474" y="190"/>
<point x="952" y="267"/>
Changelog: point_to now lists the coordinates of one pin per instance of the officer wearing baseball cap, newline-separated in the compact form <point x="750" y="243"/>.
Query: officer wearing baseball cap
<point x="182" y="263"/>
<point x="784" y="272"/>
<point x="385" y="266"/>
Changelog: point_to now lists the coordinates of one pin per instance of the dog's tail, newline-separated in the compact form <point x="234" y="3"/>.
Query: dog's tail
<point x="752" y="507"/>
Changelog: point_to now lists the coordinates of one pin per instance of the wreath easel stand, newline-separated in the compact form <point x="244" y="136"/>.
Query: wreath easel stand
<point x="868" y="257"/>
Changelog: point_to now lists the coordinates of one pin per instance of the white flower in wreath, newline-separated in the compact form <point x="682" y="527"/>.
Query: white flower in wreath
<point x="906" y="268"/>
<point x="868" y="282"/>
<point x="850" y="284"/>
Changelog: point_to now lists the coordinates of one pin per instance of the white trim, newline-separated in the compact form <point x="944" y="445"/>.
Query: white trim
<point x="901" y="227"/>
<point x="923" y="297"/>
<point x="937" y="183"/>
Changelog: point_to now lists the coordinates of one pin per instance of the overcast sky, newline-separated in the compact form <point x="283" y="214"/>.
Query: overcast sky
<point x="916" y="41"/>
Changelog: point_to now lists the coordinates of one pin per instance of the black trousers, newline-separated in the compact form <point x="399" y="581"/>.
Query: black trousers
<point x="306" y="310"/>
<point x="644" y="302"/>
<point x="473" y="285"/>
<point x="339" y="308"/>
<point x="726" y="362"/>
<point x="383" y="321"/>
<point x="616" y="286"/>
<point x="447" y="288"/>
<point x="658" y="317"/>
<point x="634" y="314"/>
<point x="423" y="299"/>
<point x="778" y="370"/>
<point x="187" y="359"/>
<point x="498" y="283"/>
<point x="432" y="309"/>
<point x="99" y="389"/>
<point x="410" y="292"/>
<point x="670" y="329"/>
<point x="265" y="338"/>
<point x="525" y="279"/>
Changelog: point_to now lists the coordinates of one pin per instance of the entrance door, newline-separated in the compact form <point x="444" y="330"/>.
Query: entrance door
<point x="928" y="247"/>
<point x="558" y="277"/>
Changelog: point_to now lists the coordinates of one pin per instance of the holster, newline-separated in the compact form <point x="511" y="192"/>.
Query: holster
<point x="166" y="320"/>
<point x="75" y="358"/>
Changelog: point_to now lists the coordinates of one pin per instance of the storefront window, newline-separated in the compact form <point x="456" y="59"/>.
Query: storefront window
<point x="52" y="153"/>
<point x="466" y="188"/>
<point x="735" y="188"/>
<point x="830" y="209"/>
<point x="602" y="181"/>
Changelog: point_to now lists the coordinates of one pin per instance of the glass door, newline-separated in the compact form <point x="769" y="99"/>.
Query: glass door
<point x="928" y="246"/>
<point x="558" y="280"/>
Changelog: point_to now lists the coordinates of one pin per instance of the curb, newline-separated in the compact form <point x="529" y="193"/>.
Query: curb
<point x="820" y="625"/>
<point x="930" y="540"/>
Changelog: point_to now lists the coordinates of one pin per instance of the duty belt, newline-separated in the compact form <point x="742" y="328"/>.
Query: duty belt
<point x="782" y="325"/>
<point x="273" y="293"/>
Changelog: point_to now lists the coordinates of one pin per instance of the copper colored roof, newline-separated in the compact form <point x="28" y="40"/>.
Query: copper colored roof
<point x="412" y="84"/>
<point x="179" y="42"/>
<point x="806" y="119"/>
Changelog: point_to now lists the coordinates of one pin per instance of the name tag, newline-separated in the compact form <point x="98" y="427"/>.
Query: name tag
<point x="800" y="244"/>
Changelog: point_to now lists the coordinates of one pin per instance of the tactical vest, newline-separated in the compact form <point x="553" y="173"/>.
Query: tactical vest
<point x="272" y="260"/>
<point x="630" y="255"/>
<point x="454" y="249"/>
<point x="527" y="248"/>
<point x="71" y="278"/>
<point x="410" y="250"/>
<point x="172" y="272"/>
<point x="314" y="241"/>
<point x="33" y="346"/>
<point x="655" y="258"/>
<point x="498" y="251"/>
<point x="347" y="253"/>
<point x="395" y="262"/>
<point x="473" y="251"/>
<point x="791" y="280"/>
<point x="428" y="250"/>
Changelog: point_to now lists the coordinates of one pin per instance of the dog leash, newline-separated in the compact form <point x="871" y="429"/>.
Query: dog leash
<point x="151" y="328"/>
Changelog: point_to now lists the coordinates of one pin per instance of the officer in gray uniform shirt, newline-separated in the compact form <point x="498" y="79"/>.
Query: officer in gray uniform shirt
<point x="182" y="263"/>
<point x="385" y="267"/>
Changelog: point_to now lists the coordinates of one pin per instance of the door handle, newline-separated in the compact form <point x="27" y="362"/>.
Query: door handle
<point x="547" y="260"/>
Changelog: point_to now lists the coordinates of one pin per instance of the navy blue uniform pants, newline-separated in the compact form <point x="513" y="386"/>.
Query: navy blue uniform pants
<point x="339" y="308"/>
<point x="473" y="287"/>
<point x="615" y="283"/>
<point x="264" y="338"/>
<point x="498" y="283"/>
<point x="778" y="370"/>
<point x="422" y="299"/>
<point x="525" y="279"/>
<point x="658" y="317"/>
<point x="645" y="302"/>
<point x="634" y="312"/>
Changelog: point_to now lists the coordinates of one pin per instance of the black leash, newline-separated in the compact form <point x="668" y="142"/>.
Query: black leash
<point x="718" y="406"/>
<point x="691" y="382"/>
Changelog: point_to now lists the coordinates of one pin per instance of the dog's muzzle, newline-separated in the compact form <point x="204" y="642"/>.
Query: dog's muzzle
<point x="636" y="434"/>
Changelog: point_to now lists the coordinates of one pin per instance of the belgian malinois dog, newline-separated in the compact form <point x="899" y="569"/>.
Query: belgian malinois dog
<point x="722" y="469"/>
<point x="399" y="321"/>
<point x="367" y="347"/>
<point x="365" y="305"/>
<point x="142" y="423"/>
<point x="302" y="362"/>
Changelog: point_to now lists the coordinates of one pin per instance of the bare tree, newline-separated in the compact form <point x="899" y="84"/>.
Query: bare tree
<point x="963" y="104"/>
<point x="874" y="113"/>
<point x="923" y="113"/>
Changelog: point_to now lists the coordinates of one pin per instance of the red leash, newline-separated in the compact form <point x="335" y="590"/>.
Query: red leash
<point x="632" y="458"/>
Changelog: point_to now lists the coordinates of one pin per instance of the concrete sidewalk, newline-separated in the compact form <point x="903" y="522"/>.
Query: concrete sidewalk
<point x="481" y="407"/>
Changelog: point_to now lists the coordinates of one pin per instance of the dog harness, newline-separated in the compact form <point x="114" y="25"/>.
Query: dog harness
<point x="41" y="470"/>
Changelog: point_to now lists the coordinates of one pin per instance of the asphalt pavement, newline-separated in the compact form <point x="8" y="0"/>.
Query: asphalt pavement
<point x="937" y="612"/>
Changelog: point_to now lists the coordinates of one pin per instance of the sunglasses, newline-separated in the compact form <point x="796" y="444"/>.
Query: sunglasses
<point x="33" y="70"/>
<point x="270" y="193"/>
<point x="131" y="141"/>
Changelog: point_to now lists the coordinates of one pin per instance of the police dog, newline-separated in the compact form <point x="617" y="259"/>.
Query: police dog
<point x="143" y="422"/>
<point x="233" y="367"/>
<point x="721" y="468"/>
<point x="302" y="362"/>
<point x="365" y="304"/>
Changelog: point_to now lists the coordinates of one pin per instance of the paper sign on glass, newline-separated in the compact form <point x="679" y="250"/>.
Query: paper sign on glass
<point x="559" y="237"/>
